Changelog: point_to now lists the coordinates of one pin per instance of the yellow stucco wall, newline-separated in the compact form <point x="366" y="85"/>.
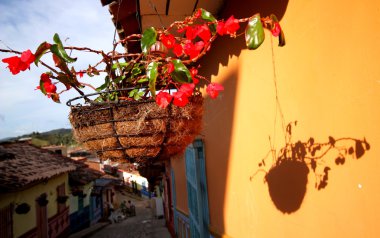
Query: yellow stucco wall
<point x="25" y="222"/>
<point x="73" y="200"/>
<point x="328" y="79"/>
<point x="178" y="165"/>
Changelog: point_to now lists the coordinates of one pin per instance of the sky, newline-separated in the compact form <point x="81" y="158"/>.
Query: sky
<point x="24" y="24"/>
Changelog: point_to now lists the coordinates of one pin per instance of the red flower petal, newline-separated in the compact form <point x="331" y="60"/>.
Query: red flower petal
<point x="180" y="99"/>
<point x="191" y="33"/>
<point x="178" y="51"/>
<point x="220" y="28"/>
<point x="45" y="78"/>
<point x="276" y="30"/>
<point x="163" y="99"/>
<point x="231" y="25"/>
<point x="198" y="13"/>
<point x="27" y="57"/>
<point x="204" y="33"/>
<point x="13" y="64"/>
<point x="170" y="67"/>
<point x="168" y="40"/>
<point x="187" y="89"/>
<point x="213" y="89"/>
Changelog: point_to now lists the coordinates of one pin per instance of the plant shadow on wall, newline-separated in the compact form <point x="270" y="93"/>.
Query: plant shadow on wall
<point x="287" y="177"/>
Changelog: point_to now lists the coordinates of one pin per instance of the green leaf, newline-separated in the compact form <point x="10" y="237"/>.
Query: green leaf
<point x="121" y="65"/>
<point x="254" y="33"/>
<point x="55" y="97"/>
<point x="42" y="48"/>
<point x="151" y="73"/>
<point x="142" y="80"/>
<point x="181" y="73"/>
<point x="136" y="70"/>
<point x="42" y="87"/>
<point x="119" y="79"/>
<point x="132" y="93"/>
<point x="104" y="85"/>
<point x="209" y="17"/>
<point x="148" y="39"/>
<point x="58" y="50"/>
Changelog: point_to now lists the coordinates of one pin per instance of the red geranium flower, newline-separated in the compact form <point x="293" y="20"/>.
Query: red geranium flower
<point x="163" y="99"/>
<point x="187" y="89"/>
<point x="17" y="64"/>
<point x="168" y="40"/>
<point x="229" y="27"/>
<point x="194" y="72"/>
<point x="45" y="78"/>
<point x="50" y="88"/>
<point x="213" y="89"/>
<point x="191" y="33"/>
<point x="193" y="50"/>
<point x="170" y="67"/>
<point x="204" y="33"/>
<point x="198" y="13"/>
<point x="178" y="50"/>
<point x="276" y="30"/>
<point x="180" y="99"/>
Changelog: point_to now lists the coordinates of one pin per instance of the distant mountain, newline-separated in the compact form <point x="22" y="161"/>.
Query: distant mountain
<point x="54" y="137"/>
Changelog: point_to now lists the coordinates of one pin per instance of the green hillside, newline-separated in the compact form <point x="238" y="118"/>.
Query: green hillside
<point x="54" y="137"/>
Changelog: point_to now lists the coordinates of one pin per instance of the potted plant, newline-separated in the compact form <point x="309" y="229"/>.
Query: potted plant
<point x="150" y="104"/>
<point x="42" y="200"/>
<point x="22" y="208"/>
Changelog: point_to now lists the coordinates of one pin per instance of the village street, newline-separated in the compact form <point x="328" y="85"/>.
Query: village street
<point x="143" y="225"/>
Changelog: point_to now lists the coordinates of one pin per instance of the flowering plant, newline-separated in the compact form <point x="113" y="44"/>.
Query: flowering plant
<point x="165" y="70"/>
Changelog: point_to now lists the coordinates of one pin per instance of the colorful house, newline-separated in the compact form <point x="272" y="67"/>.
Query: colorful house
<point x="85" y="206"/>
<point x="33" y="191"/>
<point x="290" y="147"/>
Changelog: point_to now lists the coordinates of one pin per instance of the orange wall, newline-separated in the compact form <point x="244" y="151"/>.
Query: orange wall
<point x="178" y="165"/>
<point x="328" y="79"/>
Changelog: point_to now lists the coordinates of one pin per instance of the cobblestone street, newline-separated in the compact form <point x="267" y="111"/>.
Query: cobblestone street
<point x="143" y="225"/>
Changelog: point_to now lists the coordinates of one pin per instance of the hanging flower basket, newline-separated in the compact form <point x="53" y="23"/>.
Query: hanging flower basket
<point x="22" y="208"/>
<point x="137" y="130"/>
<point x="149" y="104"/>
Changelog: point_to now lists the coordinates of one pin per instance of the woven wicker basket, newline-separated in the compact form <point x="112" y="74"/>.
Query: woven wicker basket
<point x="137" y="131"/>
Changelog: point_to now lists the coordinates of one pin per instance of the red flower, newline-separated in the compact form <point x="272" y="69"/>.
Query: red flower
<point x="168" y="40"/>
<point x="50" y="88"/>
<point x="80" y="73"/>
<point x="194" y="72"/>
<point x="276" y="30"/>
<point x="180" y="99"/>
<point x="163" y="99"/>
<point x="17" y="64"/>
<point x="178" y="51"/>
<point x="229" y="27"/>
<point x="27" y="57"/>
<point x="191" y="33"/>
<point x="170" y="67"/>
<point x="45" y="78"/>
<point x="13" y="64"/>
<point x="187" y="89"/>
<point x="193" y="50"/>
<point x="204" y="33"/>
<point x="213" y="89"/>
<point x="198" y="13"/>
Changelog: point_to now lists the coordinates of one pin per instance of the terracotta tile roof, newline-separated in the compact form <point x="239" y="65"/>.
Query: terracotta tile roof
<point x="23" y="165"/>
<point x="83" y="175"/>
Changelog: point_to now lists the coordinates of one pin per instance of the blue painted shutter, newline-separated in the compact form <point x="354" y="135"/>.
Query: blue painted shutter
<point x="202" y="186"/>
<point x="197" y="190"/>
